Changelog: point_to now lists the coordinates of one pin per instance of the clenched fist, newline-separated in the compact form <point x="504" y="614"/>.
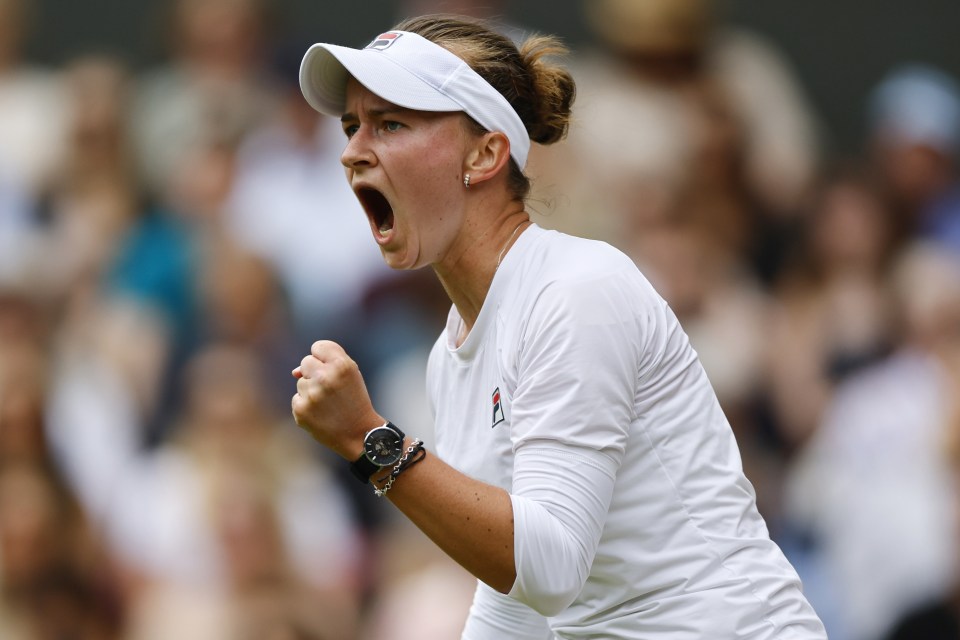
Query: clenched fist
<point x="332" y="402"/>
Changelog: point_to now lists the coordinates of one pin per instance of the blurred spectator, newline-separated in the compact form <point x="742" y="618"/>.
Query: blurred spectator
<point x="417" y="581"/>
<point x="289" y="198"/>
<point x="199" y="187"/>
<point x="914" y="124"/>
<point x="243" y="304"/>
<point x="833" y="312"/>
<point x="939" y="618"/>
<point x="211" y="92"/>
<point x="18" y="232"/>
<point x="873" y="486"/>
<point x="92" y="197"/>
<point x="670" y="104"/>
<point x="262" y="590"/>
<point x="47" y="585"/>
<point x="179" y="558"/>
<point x="31" y="140"/>
<point x="118" y="269"/>
<point x="31" y="107"/>
<point x="22" y="399"/>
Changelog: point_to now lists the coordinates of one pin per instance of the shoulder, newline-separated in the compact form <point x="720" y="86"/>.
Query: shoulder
<point x="580" y="271"/>
<point x="585" y="295"/>
<point x="560" y="257"/>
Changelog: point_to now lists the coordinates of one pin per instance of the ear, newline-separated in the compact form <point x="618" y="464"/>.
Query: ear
<point x="487" y="157"/>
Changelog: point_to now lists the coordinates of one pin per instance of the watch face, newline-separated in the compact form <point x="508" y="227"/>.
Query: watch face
<point x="383" y="446"/>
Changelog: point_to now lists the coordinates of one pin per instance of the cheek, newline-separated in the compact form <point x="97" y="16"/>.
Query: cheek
<point x="437" y="160"/>
<point x="433" y="173"/>
<point x="432" y="187"/>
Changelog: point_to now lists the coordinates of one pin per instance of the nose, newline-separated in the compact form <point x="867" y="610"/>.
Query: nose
<point x="358" y="152"/>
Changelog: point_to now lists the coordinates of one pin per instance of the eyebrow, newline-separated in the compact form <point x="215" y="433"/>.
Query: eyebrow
<point x="376" y="113"/>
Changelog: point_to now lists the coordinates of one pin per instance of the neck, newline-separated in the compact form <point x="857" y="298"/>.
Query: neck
<point x="467" y="279"/>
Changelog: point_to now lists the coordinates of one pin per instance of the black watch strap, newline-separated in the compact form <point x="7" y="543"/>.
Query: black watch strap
<point x="362" y="468"/>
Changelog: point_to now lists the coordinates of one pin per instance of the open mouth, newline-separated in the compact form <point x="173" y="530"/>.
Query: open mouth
<point x="378" y="209"/>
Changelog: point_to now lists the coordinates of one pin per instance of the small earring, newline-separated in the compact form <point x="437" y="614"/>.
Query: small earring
<point x="466" y="180"/>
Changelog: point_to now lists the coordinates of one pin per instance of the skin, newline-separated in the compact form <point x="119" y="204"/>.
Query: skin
<point x="417" y="160"/>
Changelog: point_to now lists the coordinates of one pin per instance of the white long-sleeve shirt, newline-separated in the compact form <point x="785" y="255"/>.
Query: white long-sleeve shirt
<point x="578" y="392"/>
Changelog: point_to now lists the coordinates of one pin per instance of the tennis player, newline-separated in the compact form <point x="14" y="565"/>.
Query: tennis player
<point x="583" y="471"/>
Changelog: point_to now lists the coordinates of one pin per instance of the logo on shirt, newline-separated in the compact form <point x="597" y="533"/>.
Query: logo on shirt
<point x="497" y="408"/>
<point x="384" y="40"/>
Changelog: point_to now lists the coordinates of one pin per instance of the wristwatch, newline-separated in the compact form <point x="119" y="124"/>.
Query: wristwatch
<point x="382" y="447"/>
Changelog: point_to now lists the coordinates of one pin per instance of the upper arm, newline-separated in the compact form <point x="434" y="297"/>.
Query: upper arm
<point x="577" y="365"/>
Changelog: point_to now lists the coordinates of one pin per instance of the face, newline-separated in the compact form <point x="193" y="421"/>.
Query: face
<point x="406" y="168"/>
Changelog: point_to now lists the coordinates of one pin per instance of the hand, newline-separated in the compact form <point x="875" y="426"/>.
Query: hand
<point x="332" y="403"/>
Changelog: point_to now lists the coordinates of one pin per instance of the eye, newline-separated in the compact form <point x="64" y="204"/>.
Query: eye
<point x="350" y="129"/>
<point x="392" y="125"/>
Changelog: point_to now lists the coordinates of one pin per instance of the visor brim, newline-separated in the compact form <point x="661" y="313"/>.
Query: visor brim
<point x="326" y="69"/>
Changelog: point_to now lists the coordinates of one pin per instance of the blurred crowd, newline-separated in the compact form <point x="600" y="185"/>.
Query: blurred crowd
<point x="173" y="239"/>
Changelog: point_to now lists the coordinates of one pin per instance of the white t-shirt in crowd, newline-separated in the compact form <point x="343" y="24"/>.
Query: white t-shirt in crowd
<point x="578" y="392"/>
<point x="288" y="196"/>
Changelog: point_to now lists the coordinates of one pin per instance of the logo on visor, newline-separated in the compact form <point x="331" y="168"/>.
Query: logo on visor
<point x="384" y="40"/>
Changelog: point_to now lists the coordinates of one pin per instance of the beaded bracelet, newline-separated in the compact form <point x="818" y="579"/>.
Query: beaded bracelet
<point x="414" y="454"/>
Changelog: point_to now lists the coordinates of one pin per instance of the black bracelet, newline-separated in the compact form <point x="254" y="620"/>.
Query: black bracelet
<point x="414" y="454"/>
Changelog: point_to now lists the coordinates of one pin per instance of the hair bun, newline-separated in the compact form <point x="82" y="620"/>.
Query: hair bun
<point x="554" y="88"/>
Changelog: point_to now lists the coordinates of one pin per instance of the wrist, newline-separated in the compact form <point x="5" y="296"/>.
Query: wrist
<point x="413" y="453"/>
<point x="382" y="447"/>
<point x="353" y="447"/>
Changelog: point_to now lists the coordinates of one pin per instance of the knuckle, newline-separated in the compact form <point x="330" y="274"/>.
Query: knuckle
<point x="296" y="407"/>
<point x="309" y="393"/>
<point x="314" y="394"/>
<point x="326" y="349"/>
<point x="320" y="347"/>
<point x="346" y="364"/>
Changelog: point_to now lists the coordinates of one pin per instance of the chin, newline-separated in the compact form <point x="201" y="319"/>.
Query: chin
<point x="399" y="262"/>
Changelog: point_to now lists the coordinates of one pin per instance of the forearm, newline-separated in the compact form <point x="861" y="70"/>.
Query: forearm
<point x="536" y="545"/>
<point x="471" y="521"/>
<point x="560" y="501"/>
<point x="546" y="534"/>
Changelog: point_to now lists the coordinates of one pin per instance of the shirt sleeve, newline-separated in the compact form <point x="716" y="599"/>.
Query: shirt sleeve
<point x="577" y="374"/>
<point x="560" y="500"/>
<point x="494" y="616"/>
<point x="578" y="362"/>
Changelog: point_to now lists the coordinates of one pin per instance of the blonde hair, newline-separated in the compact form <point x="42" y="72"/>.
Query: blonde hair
<point x="540" y="91"/>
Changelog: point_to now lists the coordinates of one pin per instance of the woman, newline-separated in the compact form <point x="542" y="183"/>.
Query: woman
<point x="584" y="472"/>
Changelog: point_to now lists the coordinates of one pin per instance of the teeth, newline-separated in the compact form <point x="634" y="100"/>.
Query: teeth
<point x="384" y="230"/>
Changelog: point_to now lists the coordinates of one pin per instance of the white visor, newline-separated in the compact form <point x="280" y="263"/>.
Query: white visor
<point x="414" y="73"/>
